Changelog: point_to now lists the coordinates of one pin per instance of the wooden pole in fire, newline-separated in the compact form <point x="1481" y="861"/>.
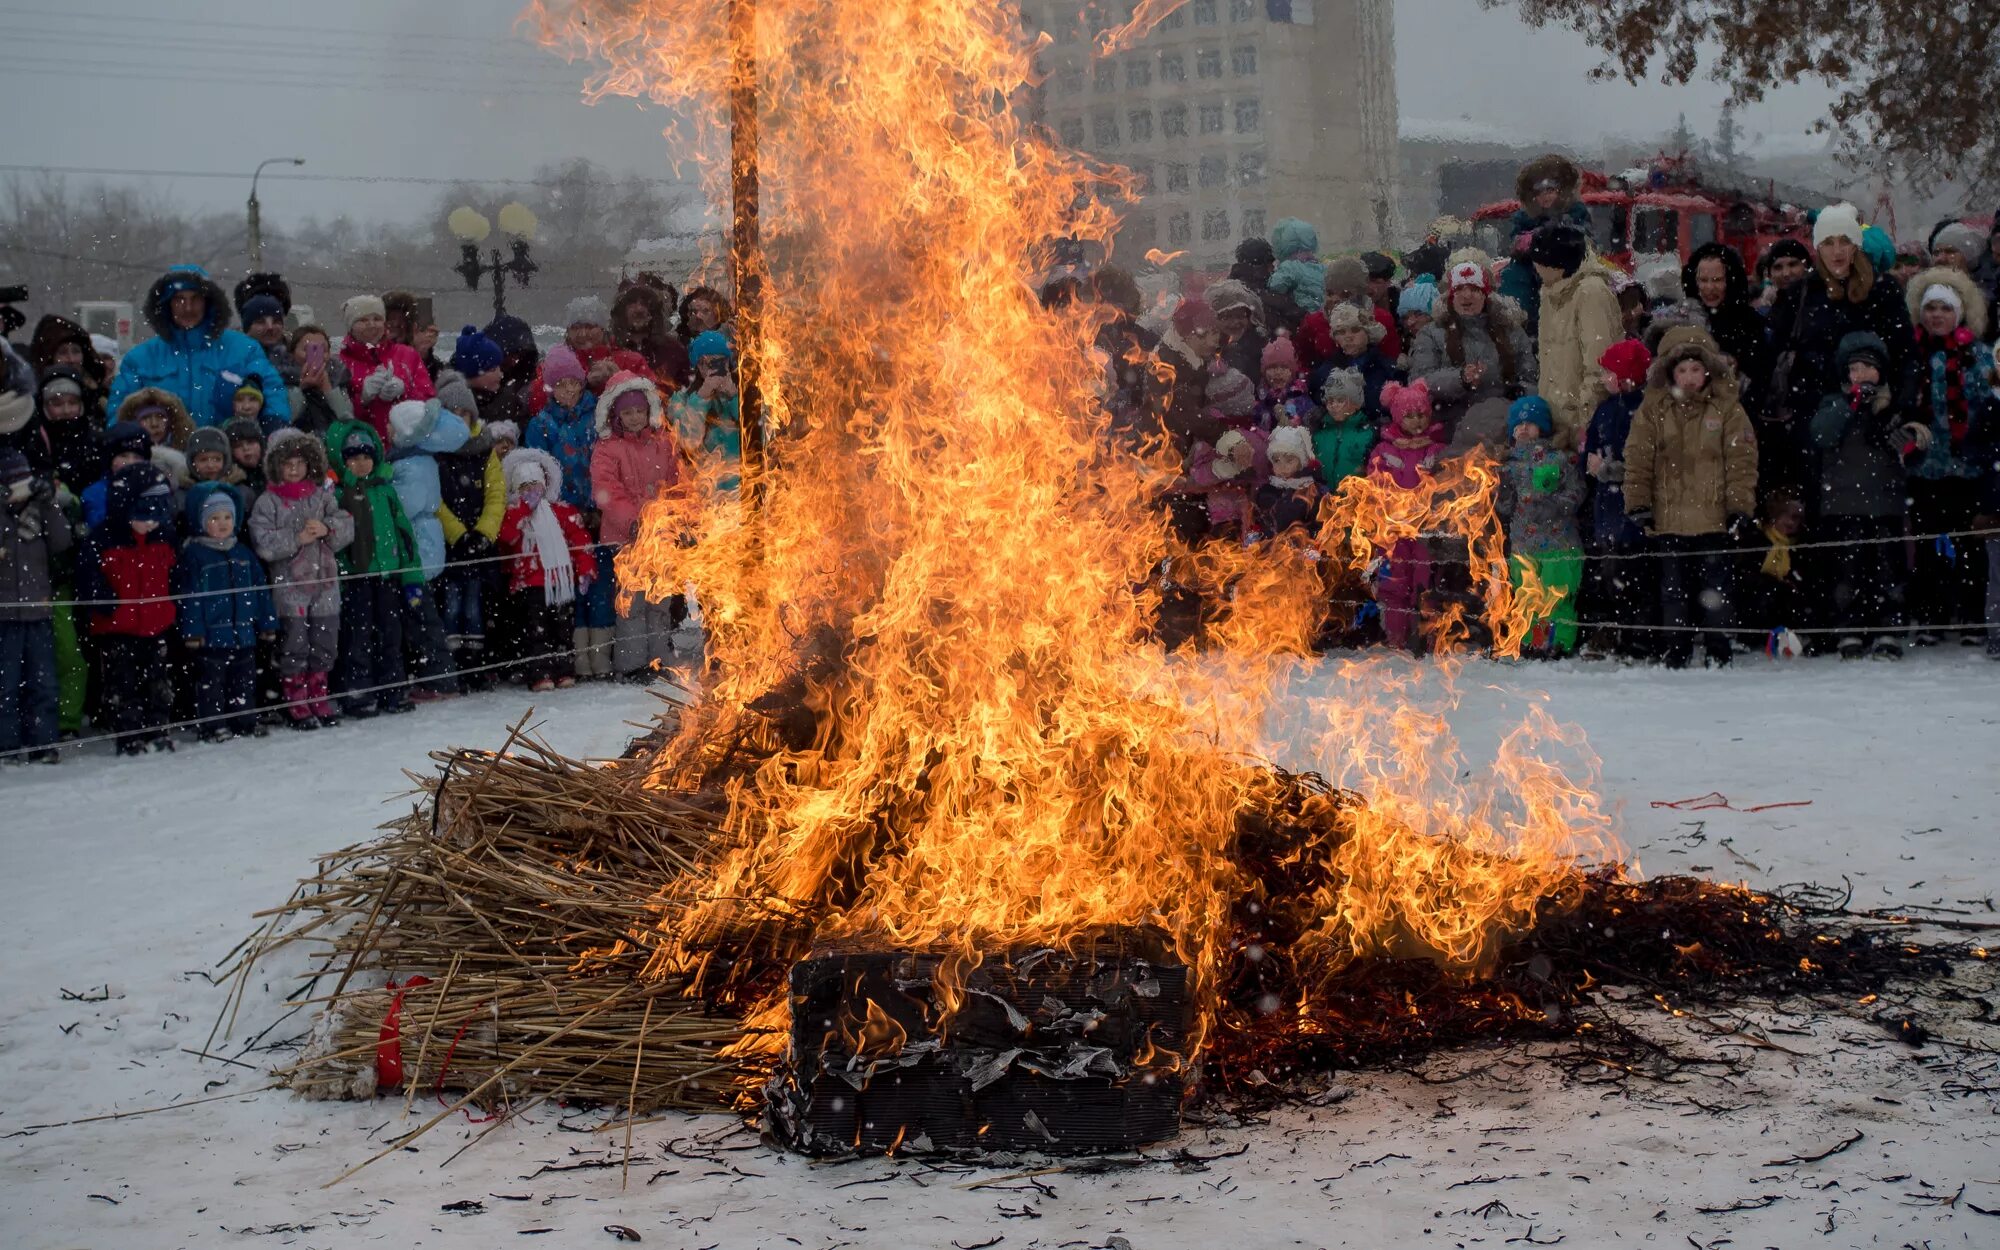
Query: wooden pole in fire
<point x="746" y="264"/>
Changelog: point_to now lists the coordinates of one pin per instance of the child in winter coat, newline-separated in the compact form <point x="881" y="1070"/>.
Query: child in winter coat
<point x="566" y="428"/>
<point x="1409" y="450"/>
<point x="706" y="416"/>
<point x="380" y="566"/>
<point x="1298" y="275"/>
<point x="1619" y="584"/>
<point x="248" y="405"/>
<point x="1691" y="484"/>
<point x="1284" y="398"/>
<point x="320" y="397"/>
<point x="33" y="531"/>
<point x="1860" y="433"/>
<point x="168" y="428"/>
<point x="1349" y="340"/>
<point x="552" y="564"/>
<point x="1228" y="471"/>
<point x="129" y="561"/>
<point x="298" y="529"/>
<point x="1779" y="597"/>
<point x="420" y="432"/>
<point x="636" y="458"/>
<point x="246" y="457"/>
<point x="1540" y="491"/>
<point x="474" y="493"/>
<point x="226" y="608"/>
<point x="1345" y="431"/>
<point x="1288" y="501"/>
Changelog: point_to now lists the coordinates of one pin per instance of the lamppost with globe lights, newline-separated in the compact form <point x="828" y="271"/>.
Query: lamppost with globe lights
<point x="470" y="227"/>
<point x="257" y="211"/>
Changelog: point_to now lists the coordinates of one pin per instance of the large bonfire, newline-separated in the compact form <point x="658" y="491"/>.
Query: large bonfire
<point x="932" y="717"/>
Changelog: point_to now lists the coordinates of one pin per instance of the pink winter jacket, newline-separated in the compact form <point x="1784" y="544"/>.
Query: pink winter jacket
<point x="362" y="360"/>
<point x="628" y="470"/>
<point x="1405" y="465"/>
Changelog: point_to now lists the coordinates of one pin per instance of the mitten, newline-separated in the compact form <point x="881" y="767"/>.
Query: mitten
<point x="1611" y="471"/>
<point x="392" y="386"/>
<point x="1641" y="517"/>
<point x="371" y="386"/>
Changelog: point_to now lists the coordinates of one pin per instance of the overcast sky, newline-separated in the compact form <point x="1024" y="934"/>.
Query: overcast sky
<point x="451" y="89"/>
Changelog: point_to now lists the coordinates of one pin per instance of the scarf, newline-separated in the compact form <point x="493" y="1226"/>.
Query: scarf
<point x="217" y="544"/>
<point x="543" y="538"/>
<point x="1293" y="483"/>
<point x="292" y="492"/>
<point x="1777" y="561"/>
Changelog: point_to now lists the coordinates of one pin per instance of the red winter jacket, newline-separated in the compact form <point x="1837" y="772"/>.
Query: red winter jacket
<point x="362" y="360"/>
<point x="626" y="473"/>
<point x="140" y="570"/>
<point x="524" y="571"/>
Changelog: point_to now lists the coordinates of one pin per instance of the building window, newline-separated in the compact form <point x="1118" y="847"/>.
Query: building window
<point x="1211" y="119"/>
<point x="1253" y="223"/>
<point x="1142" y="177"/>
<point x="1204" y="12"/>
<point x="1208" y="63"/>
<point x="1139" y="125"/>
<point x="1104" y="130"/>
<point x="1143" y="229"/>
<point x="1173" y="121"/>
<point x="1243" y="61"/>
<point x="1138" y="72"/>
<point x="1072" y="132"/>
<point x="1212" y="171"/>
<point x="1106" y="76"/>
<point x="1172" y="67"/>
<point x="1179" y="228"/>
<point x="1248" y="117"/>
<point x="1174" y="20"/>
<point x="1069" y="79"/>
<point x="1177" y="178"/>
<point x="1215" y="224"/>
<point x="1242" y="10"/>
<point x="1250" y="169"/>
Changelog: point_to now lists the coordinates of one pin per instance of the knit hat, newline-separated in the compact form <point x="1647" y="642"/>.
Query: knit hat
<point x="503" y="431"/>
<point x="1960" y="238"/>
<point x="1290" y="440"/>
<point x="1378" y="265"/>
<point x="455" y="395"/>
<point x="218" y="501"/>
<point x="1911" y="252"/>
<point x="1860" y="345"/>
<point x="1531" y="410"/>
<point x="207" y="438"/>
<point x="1467" y="273"/>
<point x="258" y="307"/>
<point x="710" y="343"/>
<point x="358" y="444"/>
<point x="1347" y="384"/>
<point x="57" y="384"/>
<point x="1343" y="316"/>
<point x="412" y="420"/>
<point x="1421" y="296"/>
<point x="1229" y="293"/>
<point x="475" y="353"/>
<point x="243" y="430"/>
<point x="251" y="385"/>
<point x="359" y="306"/>
<point x="585" y="310"/>
<point x="125" y="438"/>
<point x="561" y="365"/>
<point x="1837" y="221"/>
<point x="1346" y="275"/>
<point x="1787" y="249"/>
<point x="1628" y="359"/>
<point x="1231" y="394"/>
<point x="1191" y="316"/>
<point x="1560" y="246"/>
<point x="1943" y="293"/>
<point x="1255" y="252"/>
<point x="14" y="467"/>
<point x="1402" y="400"/>
<point x="511" y="334"/>
<point x="1279" y="352"/>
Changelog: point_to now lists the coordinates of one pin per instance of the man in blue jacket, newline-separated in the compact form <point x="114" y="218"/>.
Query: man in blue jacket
<point x="196" y="355"/>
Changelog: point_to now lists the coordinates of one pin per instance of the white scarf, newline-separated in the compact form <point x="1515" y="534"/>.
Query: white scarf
<point x="545" y="540"/>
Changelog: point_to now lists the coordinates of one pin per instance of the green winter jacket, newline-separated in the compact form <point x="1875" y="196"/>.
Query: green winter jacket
<point x="1342" y="447"/>
<point x="384" y="541"/>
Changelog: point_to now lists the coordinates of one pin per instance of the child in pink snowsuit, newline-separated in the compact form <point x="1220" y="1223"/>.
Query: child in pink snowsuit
<point x="1410" y="448"/>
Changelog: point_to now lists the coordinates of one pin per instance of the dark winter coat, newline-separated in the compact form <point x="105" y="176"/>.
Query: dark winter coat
<point x="1860" y="443"/>
<point x="203" y="365"/>
<point x="1808" y="321"/>
<point x="1609" y="427"/>
<point x="1278" y="507"/>
<point x="230" y="597"/>
<point x="664" y="352"/>
<point x="1737" y="328"/>
<point x="31" y="534"/>
<point x="135" y="570"/>
<point x="66" y="451"/>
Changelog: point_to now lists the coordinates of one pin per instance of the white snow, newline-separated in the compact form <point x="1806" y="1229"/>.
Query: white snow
<point x="129" y="878"/>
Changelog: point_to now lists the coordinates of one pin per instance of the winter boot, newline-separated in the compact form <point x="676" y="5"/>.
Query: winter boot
<point x="1851" y="647"/>
<point x="297" y="693"/>
<point x="323" y="708"/>
<point x="1886" y="648"/>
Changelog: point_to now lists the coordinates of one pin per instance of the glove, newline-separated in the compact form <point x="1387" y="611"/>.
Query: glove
<point x="1741" y="526"/>
<point x="1611" y="471"/>
<point x="471" y="545"/>
<point x="392" y="386"/>
<point x="1641" y="517"/>
<point x="371" y="386"/>
<point x="414" y="596"/>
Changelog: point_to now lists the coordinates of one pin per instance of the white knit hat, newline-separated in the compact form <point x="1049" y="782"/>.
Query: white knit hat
<point x="1290" y="440"/>
<point x="1225" y="447"/>
<point x="359" y="306"/>
<point x="1838" y="221"/>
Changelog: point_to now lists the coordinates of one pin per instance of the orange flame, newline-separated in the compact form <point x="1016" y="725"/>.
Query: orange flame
<point x="953" y="571"/>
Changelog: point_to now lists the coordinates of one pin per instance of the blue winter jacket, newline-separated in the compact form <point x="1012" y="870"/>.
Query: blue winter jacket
<point x="203" y="366"/>
<point x="413" y="470"/>
<point x="568" y="434"/>
<point x="1609" y="427"/>
<point x="232" y="601"/>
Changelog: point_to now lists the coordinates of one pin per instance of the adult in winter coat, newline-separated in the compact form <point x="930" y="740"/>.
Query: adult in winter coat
<point x="194" y="354"/>
<point x="1715" y="278"/>
<point x="319" y="397"/>
<point x="642" y="322"/>
<point x="1547" y="189"/>
<point x="1348" y="282"/>
<point x="381" y="372"/>
<point x="298" y="529"/>
<point x="1475" y="358"/>
<point x="1239" y="313"/>
<point x="1948" y="388"/>
<point x="707" y="414"/>
<point x="59" y="342"/>
<point x="1691" y="479"/>
<point x="636" y="458"/>
<point x="1581" y="319"/>
<point x="1838" y="296"/>
<point x="1859" y="433"/>
<point x="263" y="301"/>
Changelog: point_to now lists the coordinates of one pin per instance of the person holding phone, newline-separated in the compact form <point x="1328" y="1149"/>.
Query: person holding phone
<point x="320" y="399"/>
<point x="706" y="414"/>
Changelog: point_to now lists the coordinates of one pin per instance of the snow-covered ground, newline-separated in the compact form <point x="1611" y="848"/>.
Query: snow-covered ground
<point x="126" y="880"/>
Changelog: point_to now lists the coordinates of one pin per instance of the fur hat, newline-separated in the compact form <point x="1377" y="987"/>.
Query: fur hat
<point x="1379" y="264"/>
<point x="1290" y="440"/>
<point x="1962" y="290"/>
<point x="292" y="441"/>
<point x="1345" y="316"/>
<point x="1559" y="245"/>
<point x="1402" y="400"/>
<point x="475" y="353"/>
<point x="1960" y="238"/>
<point x="1662" y="284"/>
<point x="1419" y="297"/>
<point x="561" y="365"/>
<point x="1531" y="410"/>
<point x="358" y="306"/>
<point x="503" y="432"/>
<point x="243" y="430"/>
<point x="1231" y="394"/>
<point x="1686" y="342"/>
<point x="1279" y="351"/>
<point x="1628" y="359"/>
<point x="1552" y="170"/>
<point x="1346" y="276"/>
<point x="1347" y="384"/>
<point x="208" y="438"/>
<point x="60" y="384"/>
<point x="585" y="310"/>
<point x="1192" y="316"/>
<point x="619" y="387"/>
<point x="1837" y="221"/>
<point x="525" y="464"/>
<point x="1229" y="293"/>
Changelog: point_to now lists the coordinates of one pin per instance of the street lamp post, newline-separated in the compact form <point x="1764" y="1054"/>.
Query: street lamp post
<point x="257" y="211"/>
<point x="471" y="228"/>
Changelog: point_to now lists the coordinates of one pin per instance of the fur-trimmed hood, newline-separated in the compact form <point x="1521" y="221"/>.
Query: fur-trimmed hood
<point x="184" y="277"/>
<point x="1970" y="298"/>
<point x="1568" y="178"/>
<point x="1738" y="278"/>
<point x="1690" y="342"/>
<point x="524" y="462"/>
<point x="656" y="301"/>
<point x="724" y="311"/>
<point x="625" y="384"/>
<point x="54" y="330"/>
<point x="179" y="424"/>
<point x="290" y="441"/>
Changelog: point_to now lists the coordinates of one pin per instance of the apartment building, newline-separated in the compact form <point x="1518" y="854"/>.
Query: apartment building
<point x="1235" y="113"/>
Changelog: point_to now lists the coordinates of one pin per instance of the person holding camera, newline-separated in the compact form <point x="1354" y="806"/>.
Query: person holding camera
<point x="1862" y="435"/>
<point x="706" y="415"/>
